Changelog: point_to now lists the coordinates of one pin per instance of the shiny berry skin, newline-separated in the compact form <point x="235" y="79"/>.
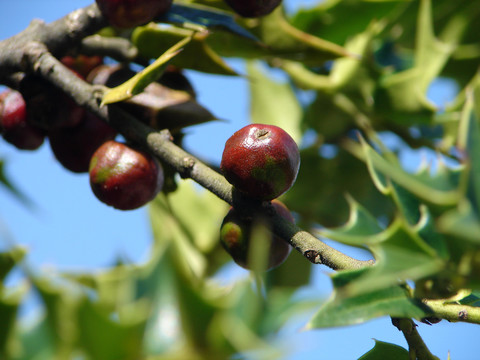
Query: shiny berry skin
<point x="130" y="13"/>
<point x="74" y="146"/>
<point x="123" y="177"/>
<point x="14" y="125"/>
<point x="235" y="235"/>
<point x="261" y="161"/>
<point x="253" y="8"/>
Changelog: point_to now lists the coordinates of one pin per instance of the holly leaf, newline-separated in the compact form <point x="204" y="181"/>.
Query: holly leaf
<point x="342" y="309"/>
<point x="444" y="188"/>
<point x="208" y="17"/>
<point x="383" y="350"/>
<point x="153" y="40"/>
<point x="9" y="259"/>
<point x="143" y="78"/>
<point x="284" y="40"/>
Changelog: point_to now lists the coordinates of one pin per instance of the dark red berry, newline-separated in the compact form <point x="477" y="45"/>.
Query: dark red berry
<point x="131" y="13"/>
<point x="82" y="64"/>
<point x="261" y="160"/>
<point x="123" y="177"/>
<point x="14" y="125"/>
<point x="235" y="236"/>
<point x="253" y="8"/>
<point x="74" y="146"/>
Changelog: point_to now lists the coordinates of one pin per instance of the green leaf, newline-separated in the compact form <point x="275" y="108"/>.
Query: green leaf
<point x="5" y="181"/>
<point x="287" y="41"/>
<point x="10" y="300"/>
<point x="360" y="227"/>
<point x="273" y="103"/>
<point x="153" y="40"/>
<point x="327" y="177"/>
<point x="461" y="222"/>
<point x="383" y="350"/>
<point x="106" y="339"/>
<point x="337" y="20"/>
<point x="148" y="75"/>
<point x="36" y="341"/>
<point x="473" y="299"/>
<point x="341" y="310"/>
<point x="9" y="259"/>
<point x="206" y="16"/>
<point x="347" y="73"/>
<point x="203" y="216"/>
<point x="61" y="305"/>
<point x="469" y="142"/>
<point x="189" y="230"/>
<point x="293" y="273"/>
<point x="445" y="188"/>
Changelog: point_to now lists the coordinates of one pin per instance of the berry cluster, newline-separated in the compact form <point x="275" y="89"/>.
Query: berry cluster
<point x="130" y="13"/>
<point x="262" y="162"/>
<point x="120" y="176"/>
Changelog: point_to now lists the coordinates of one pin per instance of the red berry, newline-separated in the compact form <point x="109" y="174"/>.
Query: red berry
<point x="13" y="122"/>
<point x="235" y="235"/>
<point x="82" y="64"/>
<point x="123" y="177"/>
<point x="253" y="8"/>
<point x="261" y="160"/>
<point x="131" y="13"/>
<point x="74" y="146"/>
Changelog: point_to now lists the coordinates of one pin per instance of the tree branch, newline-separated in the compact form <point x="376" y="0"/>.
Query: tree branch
<point x="454" y="312"/>
<point x="33" y="50"/>
<point x="416" y="346"/>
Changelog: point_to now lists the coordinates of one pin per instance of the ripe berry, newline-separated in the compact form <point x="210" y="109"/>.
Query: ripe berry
<point x="123" y="177"/>
<point x="261" y="161"/>
<point x="82" y="64"/>
<point x="253" y="8"/>
<point x="74" y="146"/>
<point x="131" y="13"/>
<point x="235" y="235"/>
<point x="13" y="122"/>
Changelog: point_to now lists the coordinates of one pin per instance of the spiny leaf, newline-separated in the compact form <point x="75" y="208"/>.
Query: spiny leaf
<point x="152" y="40"/>
<point x="400" y="253"/>
<point x="360" y="226"/>
<point x="287" y="41"/>
<point x="342" y="310"/>
<point x="445" y="188"/>
<point x="140" y="81"/>
<point x="347" y="72"/>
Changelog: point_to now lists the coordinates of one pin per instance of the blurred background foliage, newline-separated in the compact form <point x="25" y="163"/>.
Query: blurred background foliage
<point x="340" y="77"/>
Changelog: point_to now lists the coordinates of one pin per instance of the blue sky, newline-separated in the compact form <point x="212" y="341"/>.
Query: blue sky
<point x="69" y="228"/>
